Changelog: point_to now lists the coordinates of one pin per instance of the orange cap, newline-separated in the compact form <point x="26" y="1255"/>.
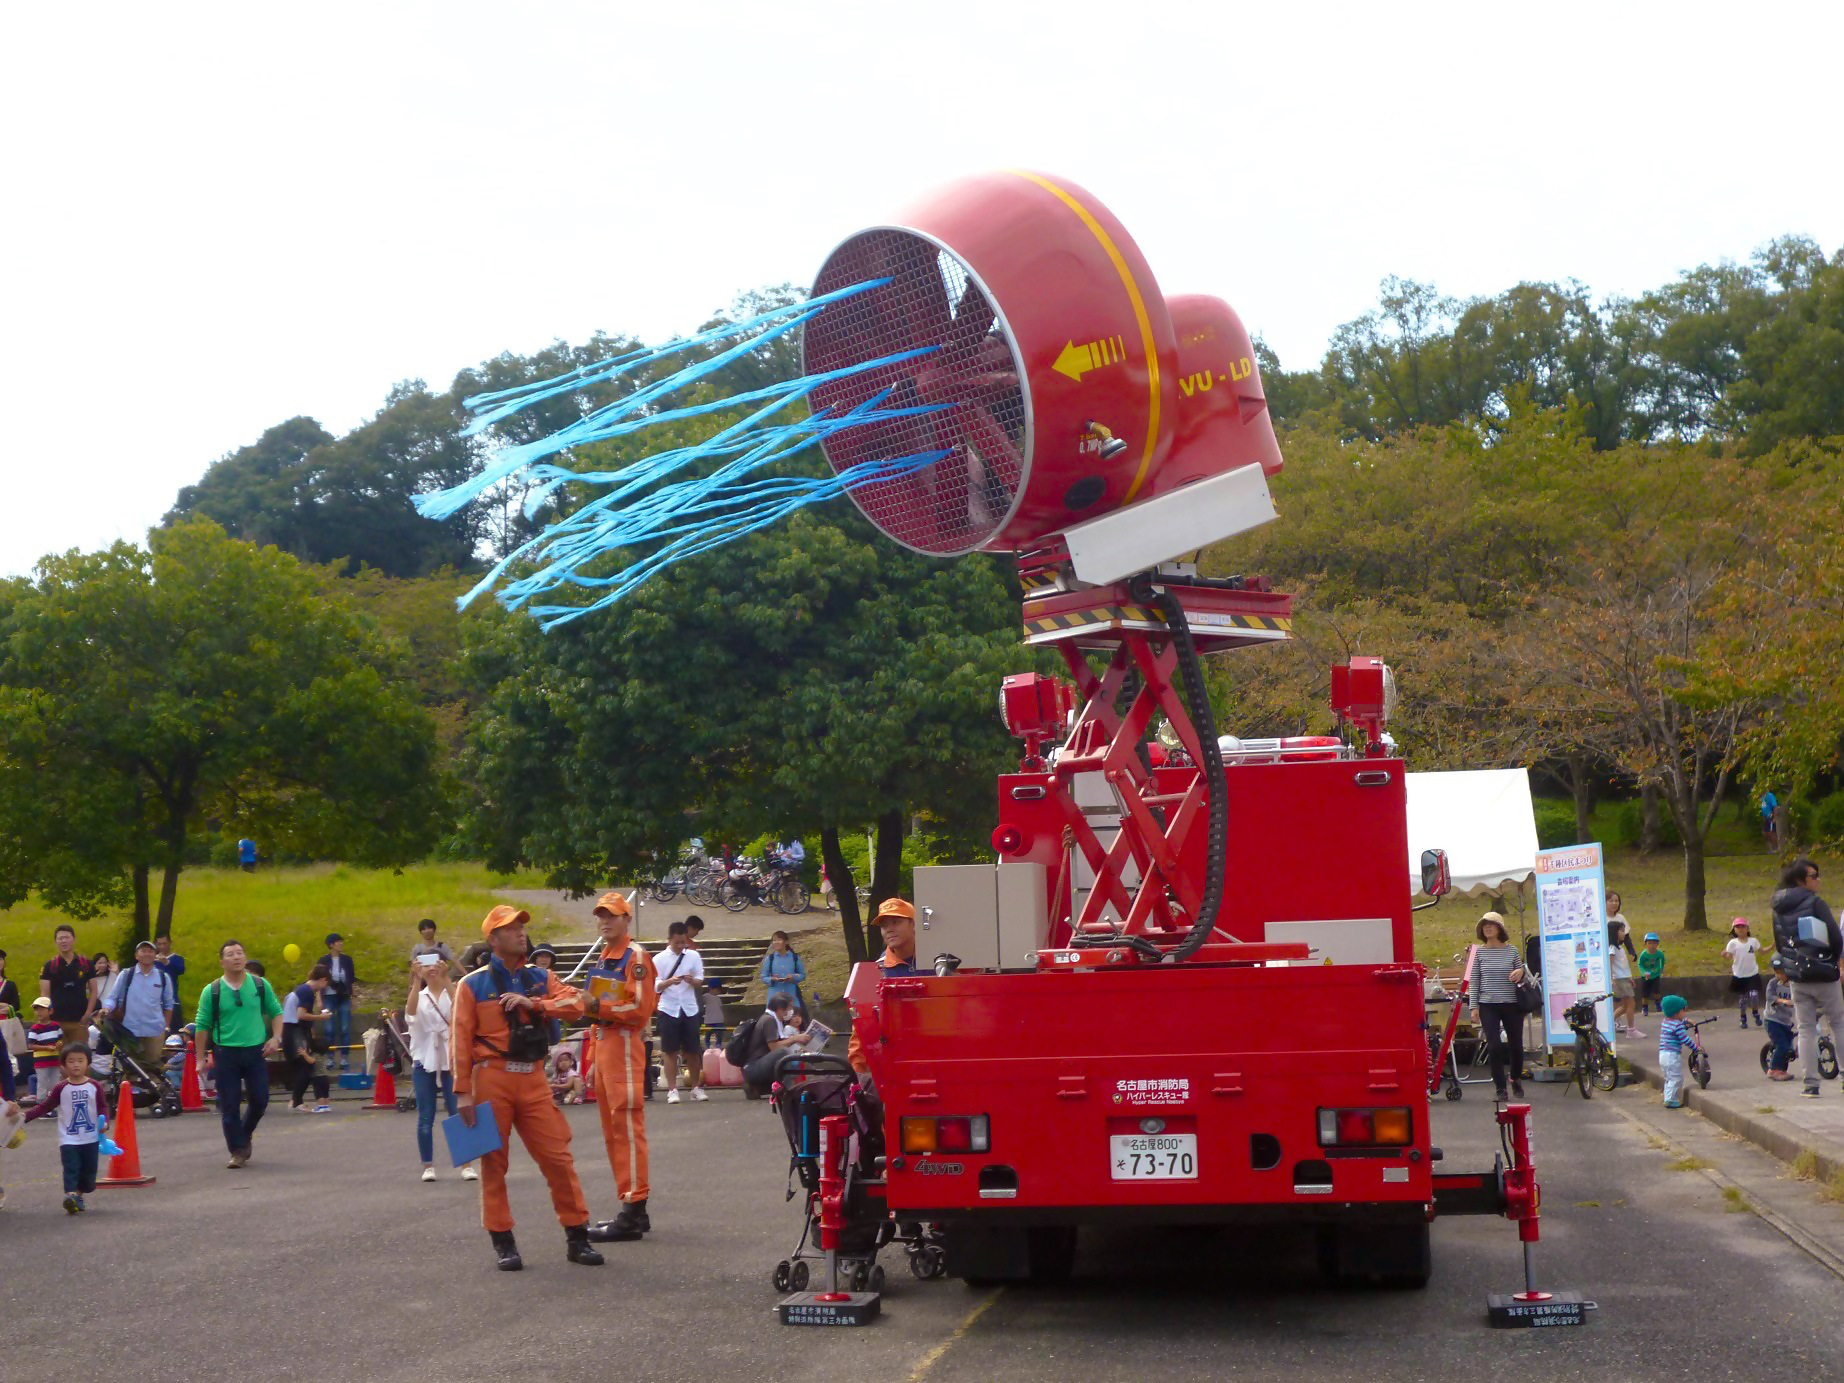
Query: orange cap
<point x="614" y="904"/>
<point x="505" y="915"/>
<point x="895" y="907"/>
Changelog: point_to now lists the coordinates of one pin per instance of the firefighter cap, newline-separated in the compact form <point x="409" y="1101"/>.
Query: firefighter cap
<point x="895" y="907"/>
<point x="613" y="904"/>
<point x="505" y="915"/>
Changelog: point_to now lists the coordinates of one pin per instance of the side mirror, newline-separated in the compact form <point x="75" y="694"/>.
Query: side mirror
<point x="1436" y="882"/>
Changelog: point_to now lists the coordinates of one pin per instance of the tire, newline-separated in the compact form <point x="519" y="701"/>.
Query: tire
<point x="791" y="897"/>
<point x="662" y="892"/>
<point x="702" y="892"/>
<point x="798" y="1276"/>
<point x="784" y="1276"/>
<point x="1767" y="1057"/>
<point x="1827" y="1059"/>
<point x="1607" y="1069"/>
<point x="1584" y="1068"/>
<point x="875" y="1283"/>
<point x="1700" y="1067"/>
<point x="732" y="897"/>
<point x="1452" y="1089"/>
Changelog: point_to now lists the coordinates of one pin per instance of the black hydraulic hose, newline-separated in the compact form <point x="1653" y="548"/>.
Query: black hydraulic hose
<point x="1216" y="791"/>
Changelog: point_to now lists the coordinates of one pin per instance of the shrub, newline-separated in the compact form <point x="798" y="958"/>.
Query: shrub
<point x="1555" y="824"/>
<point x="1828" y="818"/>
<point x="1629" y="825"/>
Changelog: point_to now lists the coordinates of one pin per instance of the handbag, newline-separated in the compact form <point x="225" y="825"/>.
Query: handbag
<point x="1529" y="996"/>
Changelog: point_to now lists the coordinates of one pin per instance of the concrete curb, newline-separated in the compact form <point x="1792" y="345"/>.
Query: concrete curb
<point x="1770" y="1132"/>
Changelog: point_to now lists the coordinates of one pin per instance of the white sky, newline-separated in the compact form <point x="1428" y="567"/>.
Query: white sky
<point x="216" y="218"/>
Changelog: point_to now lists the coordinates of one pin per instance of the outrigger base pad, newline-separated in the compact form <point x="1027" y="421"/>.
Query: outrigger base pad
<point x="1517" y="1312"/>
<point x="830" y="1308"/>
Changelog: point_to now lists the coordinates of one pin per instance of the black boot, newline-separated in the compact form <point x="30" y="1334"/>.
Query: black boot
<point x="506" y="1250"/>
<point x="576" y="1247"/>
<point x="629" y="1225"/>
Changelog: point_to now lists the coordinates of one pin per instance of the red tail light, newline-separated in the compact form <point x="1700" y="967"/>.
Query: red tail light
<point x="1366" y="1128"/>
<point x="948" y="1133"/>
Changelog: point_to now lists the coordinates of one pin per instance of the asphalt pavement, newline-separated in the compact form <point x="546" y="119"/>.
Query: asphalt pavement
<point x="327" y="1258"/>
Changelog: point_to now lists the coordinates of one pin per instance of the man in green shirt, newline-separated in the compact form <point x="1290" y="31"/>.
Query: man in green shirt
<point x="239" y="1029"/>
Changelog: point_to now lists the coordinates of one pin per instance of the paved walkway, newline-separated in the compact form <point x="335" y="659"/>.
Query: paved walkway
<point x="1744" y="1101"/>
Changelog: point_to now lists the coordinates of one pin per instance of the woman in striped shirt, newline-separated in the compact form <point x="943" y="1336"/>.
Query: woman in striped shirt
<point x="1497" y="968"/>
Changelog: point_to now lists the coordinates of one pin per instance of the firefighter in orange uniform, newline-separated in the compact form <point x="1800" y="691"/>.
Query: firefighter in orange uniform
<point x="897" y="921"/>
<point x="620" y="1005"/>
<point x="497" y="1045"/>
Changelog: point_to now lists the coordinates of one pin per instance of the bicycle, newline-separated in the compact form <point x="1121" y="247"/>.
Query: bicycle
<point x="1827" y="1056"/>
<point x="1595" y="1066"/>
<point x="1699" y="1061"/>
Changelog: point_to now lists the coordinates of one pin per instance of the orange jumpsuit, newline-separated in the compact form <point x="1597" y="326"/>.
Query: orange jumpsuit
<point x="520" y="1100"/>
<point x="620" y="1071"/>
<point x="890" y="964"/>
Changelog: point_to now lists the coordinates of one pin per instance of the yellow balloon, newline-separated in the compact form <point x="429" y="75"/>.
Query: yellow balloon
<point x="291" y="953"/>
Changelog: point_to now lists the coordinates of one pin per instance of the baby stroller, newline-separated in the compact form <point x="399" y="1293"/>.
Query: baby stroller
<point x="152" y="1090"/>
<point x="808" y="1087"/>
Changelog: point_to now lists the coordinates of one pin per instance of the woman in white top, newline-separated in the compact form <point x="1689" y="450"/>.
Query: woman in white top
<point x="1744" y="971"/>
<point x="429" y="1010"/>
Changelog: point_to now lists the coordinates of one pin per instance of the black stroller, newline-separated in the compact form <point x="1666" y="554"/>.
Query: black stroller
<point x="809" y="1086"/>
<point x="152" y="1090"/>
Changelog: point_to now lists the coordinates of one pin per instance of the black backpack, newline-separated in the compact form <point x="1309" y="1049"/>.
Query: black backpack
<point x="1804" y="944"/>
<point x="736" y="1050"/>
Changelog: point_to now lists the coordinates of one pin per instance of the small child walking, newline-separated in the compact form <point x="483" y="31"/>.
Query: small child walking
<point x="82" y="1110"/>
<point x="1780" y="1020"/>
<point x="1674" y="1039"/>
<point x="1744" y="971"/>
<point x="1651" y="964"/>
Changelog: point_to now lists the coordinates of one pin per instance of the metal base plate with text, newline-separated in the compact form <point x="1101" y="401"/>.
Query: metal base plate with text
<point x="1562" y="1308"/>
<point x="807" y="1308"/>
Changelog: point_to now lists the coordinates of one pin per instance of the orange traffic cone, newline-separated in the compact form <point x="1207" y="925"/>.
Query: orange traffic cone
<point x="191" y="1097"/>
<point x="384" y="1089"/>
<point x="125" y="1166"/>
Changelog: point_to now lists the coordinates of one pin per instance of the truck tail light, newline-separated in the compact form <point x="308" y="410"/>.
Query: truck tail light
<point x="948" y="1133"/>
<point x="1365" y="1128"/>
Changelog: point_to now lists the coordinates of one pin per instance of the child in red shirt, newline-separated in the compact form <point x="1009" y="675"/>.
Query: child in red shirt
<point x="82" y="1111"/>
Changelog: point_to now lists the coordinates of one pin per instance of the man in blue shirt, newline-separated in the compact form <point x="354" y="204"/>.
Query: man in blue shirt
<point x="141" y="1005"/>
<point x="174" y="966"/>
<point x="246" y="855"/>
<point x="341" y="977"/>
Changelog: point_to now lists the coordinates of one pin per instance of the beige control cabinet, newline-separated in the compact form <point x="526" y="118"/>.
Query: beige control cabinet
<point x="993" y="916"/>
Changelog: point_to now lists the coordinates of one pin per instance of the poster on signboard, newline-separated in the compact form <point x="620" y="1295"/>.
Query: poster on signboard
<point x="1572" y="923"/>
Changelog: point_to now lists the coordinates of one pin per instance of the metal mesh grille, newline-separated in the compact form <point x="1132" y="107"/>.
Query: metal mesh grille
<point x="958" y="503"/>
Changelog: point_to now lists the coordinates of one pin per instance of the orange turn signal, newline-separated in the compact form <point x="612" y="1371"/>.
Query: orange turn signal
<point x="1392" y="1127"/>
<point x="918" y="1135"/>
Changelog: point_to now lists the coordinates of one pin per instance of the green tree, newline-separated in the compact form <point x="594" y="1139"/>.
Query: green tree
<point x="202" y="683"/>
<point x="327" y="499"/>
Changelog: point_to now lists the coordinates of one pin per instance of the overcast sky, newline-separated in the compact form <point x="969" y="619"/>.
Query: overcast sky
<point x="218" y="218"/>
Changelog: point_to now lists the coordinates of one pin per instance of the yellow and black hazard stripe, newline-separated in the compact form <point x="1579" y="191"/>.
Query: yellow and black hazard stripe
<point x="1039" y="581"/>
<point x="1114" y="616"/>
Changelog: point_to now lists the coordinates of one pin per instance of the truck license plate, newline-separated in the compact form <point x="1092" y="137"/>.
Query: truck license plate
<point x="1154" y="1157"/>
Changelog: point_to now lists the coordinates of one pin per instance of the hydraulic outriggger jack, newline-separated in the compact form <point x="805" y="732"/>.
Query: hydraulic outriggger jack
<point x="1523" y="1203"/>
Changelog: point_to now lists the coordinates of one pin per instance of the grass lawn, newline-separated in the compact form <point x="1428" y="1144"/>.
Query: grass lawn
<point x="1741" y="877"/>
<point x="376" y="910"/>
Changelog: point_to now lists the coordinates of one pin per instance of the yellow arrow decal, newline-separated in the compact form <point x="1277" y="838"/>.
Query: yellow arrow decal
<point x="1078" y="360"/>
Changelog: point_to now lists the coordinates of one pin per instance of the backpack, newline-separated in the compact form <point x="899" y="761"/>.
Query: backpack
<point x="736" y="1050"/>
<point x="211" y="1028"/>
<point x="1804" y="943"/>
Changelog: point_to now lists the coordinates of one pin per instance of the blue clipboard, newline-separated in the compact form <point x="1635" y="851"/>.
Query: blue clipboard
<point x="467" y="1144"/>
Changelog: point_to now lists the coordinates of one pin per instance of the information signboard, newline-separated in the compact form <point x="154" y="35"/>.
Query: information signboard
<point x="1572" y="924"/>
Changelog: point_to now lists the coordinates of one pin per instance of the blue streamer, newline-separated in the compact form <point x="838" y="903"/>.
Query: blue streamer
<point x="664" y="508"/>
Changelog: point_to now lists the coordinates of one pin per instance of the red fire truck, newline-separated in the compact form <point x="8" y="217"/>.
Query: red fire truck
<point x="1187" y="991"/>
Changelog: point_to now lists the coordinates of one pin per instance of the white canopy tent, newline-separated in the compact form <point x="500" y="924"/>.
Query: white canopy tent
<point x="1483" y="819"/>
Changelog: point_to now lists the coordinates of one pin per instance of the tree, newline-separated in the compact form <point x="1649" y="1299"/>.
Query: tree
<point x="810" y="677"/>
<point x="327" y="499"/>
<point x="202" y="683"/>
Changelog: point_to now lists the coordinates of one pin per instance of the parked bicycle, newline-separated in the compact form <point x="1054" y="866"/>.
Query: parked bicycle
<point x="1595" y="1066"/>
<point x="751" y="882"/>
